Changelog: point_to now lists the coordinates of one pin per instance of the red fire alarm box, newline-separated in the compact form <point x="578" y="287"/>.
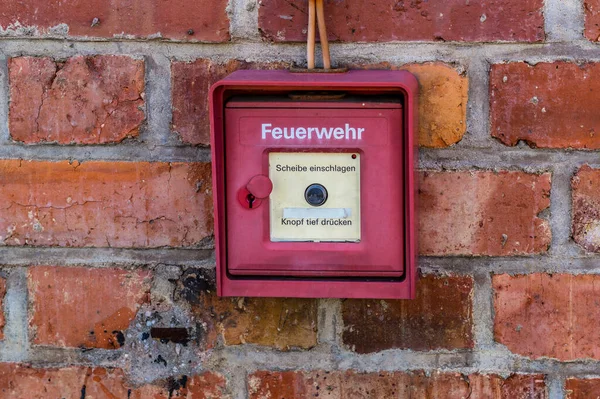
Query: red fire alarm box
<point x="313" y="184"/>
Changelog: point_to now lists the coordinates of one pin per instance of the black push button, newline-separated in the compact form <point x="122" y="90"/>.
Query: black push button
<point x="315" y="194"/>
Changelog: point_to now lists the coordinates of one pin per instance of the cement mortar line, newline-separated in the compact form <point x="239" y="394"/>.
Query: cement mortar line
<point x="15" y="345"/>
<point x="237" y="381"/>
<point x="157" y="130"/>
<point x="477" y="119"/>
<point x="56" y="357"/>
<point x="498" y="360"/>
<point x="560" y="207"/>
<point x="495" y="157"/>
<point x="555" y="385"/>
<point x="500" y="157"/>
<point x="329" y="317"/>
<point x="243" y="17"/>
<point x="482" y="311"/>
<point x="253" y="358"/>
<point x="11" y="257"/>
<point x="4" y="100"/>
<point x="126" y="152"/>
<point x="342" y="53"/>
<point x="566" y="262"/>
<point x="563" y="19"/>
<point x="520" y="265"/>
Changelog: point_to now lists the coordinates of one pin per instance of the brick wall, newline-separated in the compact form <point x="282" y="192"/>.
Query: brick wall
<point x="107" y="262"/>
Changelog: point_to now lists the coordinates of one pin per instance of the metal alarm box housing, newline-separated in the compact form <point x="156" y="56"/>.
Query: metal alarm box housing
<point x="313" y="184"/>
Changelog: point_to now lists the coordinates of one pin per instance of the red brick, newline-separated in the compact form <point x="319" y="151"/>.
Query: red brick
<point x="350" y="384"/>
<point x="586" y="208"/>
<point x="21" y="382"/>
<point x="84" y="100"/>
<point x="452" y="20"/>
<point x="542" y="315"/>
<point x="576" y="388"/>
<point x="191" y="82"/>
<point x="592" y="19"/>
<point x="442" y="88"/>
<point x="483" y="213"/>
<point x="70" y="309"/>
<point x="203" y="20"/>
<point x="105" y="204"/>
<point x="440" y="317"/>
<point x="2" y="293"/>
<point x="282" y="323"/>
<point x="548" y="105"/>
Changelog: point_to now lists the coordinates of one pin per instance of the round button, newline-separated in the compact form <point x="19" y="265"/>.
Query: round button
<point x="315" y="194"/>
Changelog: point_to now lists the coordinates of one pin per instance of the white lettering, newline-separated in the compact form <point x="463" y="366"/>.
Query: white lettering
<point x="338" y="133"/>
<point x="301" y="133"/>
<point x="265" y="130"/>
<point x="320" y="133"/>
<point x="324" y="133"/>
<point x="350" y="131"/>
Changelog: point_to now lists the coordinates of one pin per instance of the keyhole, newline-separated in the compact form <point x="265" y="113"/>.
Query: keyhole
<point x="250" y="198"/>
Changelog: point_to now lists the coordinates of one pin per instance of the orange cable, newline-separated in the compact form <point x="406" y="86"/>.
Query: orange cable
<point x="310" y="45"/>
<point x="323" y="35"/>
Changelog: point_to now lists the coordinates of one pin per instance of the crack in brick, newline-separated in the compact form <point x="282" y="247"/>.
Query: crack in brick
<point x="79" y="99"/>
<point x="45" y="87"/>
<point x="52" y="206"/>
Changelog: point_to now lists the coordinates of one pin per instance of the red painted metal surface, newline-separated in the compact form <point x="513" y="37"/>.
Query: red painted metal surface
<point x="382" y="218"/>
<point x="382" y="264"/>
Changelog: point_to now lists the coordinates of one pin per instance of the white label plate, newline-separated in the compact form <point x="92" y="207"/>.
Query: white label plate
<point x="294" y="219"/>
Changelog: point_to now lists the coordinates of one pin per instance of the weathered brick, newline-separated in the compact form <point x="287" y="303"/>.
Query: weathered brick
<point x="350" y="384"/>
<point x="69" y="308"/>
<point x="543" y="315"/>
<point x="440" y="317"/>
<point x="442" y="88"/>
<point x="283" y="323"/>
<point x="201" y="20"/>
<point x="21" y="382"/>
<point x="547" y="105"/>
<point x="483" y="213"/>
<point x="452" y="20"/>
<point x="190" y="84"/>
<point x="105" y="204"/>
<point x="577" y="388"/>
<point x="2" y="293"/>
<point x="586" y="208"/>
<point x="592" y="19"/>
<point x="85" y="100"/>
